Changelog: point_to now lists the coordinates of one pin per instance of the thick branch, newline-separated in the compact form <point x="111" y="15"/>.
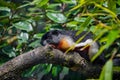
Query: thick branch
<point x="46" y="55"/>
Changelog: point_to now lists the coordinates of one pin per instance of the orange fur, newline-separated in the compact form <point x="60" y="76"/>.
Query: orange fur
<point x="64" y="44"/>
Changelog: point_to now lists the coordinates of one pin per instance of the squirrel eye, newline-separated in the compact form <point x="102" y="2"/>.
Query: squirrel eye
<point x="56" y="32"/>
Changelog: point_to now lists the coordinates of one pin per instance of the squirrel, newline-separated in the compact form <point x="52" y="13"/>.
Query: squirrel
<point x="65" y="39"/>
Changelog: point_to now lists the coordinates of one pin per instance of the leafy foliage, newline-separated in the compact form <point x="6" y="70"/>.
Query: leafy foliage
<point x="23" y="22"/>
<point x="107" y="71"/>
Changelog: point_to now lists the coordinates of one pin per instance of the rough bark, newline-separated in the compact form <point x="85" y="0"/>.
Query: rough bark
<point x="47" y="55"/>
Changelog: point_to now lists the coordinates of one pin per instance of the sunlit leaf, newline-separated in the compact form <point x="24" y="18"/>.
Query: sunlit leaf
<point x="4" y="9"/>
<point x="23" y="37"/>
<point x="23" y="26"/>
<point x="57" y="17"/>
<point x="81" y="3"/>
<point x="107" y="71"/>
<point x="113" y="34"/>
<point x="38" y="35"/>
<point x="72" y="24"/>
<point x="40" y="3"/>
<point x="53" y="6"/>
<point x="69" y="1"/>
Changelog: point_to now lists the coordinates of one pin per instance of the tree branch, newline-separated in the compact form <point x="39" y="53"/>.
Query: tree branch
<point x="47" y="55"/>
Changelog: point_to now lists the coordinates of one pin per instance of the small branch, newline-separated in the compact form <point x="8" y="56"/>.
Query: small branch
<point x="46" y="55"/>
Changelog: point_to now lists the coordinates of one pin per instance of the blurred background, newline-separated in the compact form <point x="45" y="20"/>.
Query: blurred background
<point x="23" y="22"/>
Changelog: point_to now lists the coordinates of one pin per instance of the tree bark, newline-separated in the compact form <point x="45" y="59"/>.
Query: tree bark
<point x="47" y="55"/>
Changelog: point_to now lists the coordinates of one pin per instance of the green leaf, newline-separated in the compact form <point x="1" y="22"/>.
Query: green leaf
<point x="72" y="24"/>
<point x="112" y="5"/>
<point x="49" y="67"/>
<point x="23" y="37"/>
<point x="102" y="74"/>
<point x="53" y="6"/>
<point x="56" y="70"/>
<point x="84" y="25"/>
<point x="40" y="3"/>
<point x="112" y="36"/>
<point x="107" y="71"/>
<point x="65" y="71"/>
<point x="4" y="9"/>
<point x="118" y="2"/>
<point x="69" y="1"/>
<point x="80" y="19"/>
<point x="39" y="35"/>
<point x="9" y="51"/>
<point x="23" y="26"/>
<point x="106" y="9"/>
<point x="34" y="44"/>
<point x="81" y="3"/>
<point x="57" y="17"/>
